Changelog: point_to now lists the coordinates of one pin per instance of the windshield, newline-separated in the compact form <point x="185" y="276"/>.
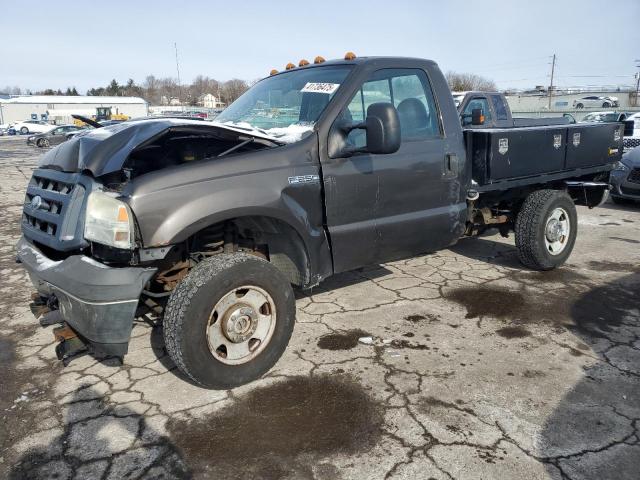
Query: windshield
<point x="286" y="106"/>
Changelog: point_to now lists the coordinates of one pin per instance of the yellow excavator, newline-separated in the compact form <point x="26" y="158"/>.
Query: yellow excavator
<point x="103" y="114"/>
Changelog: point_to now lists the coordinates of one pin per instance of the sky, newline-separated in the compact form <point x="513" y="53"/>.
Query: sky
<point x="85" y="43"/>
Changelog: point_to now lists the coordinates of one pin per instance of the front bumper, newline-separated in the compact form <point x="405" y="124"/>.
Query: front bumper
<point x="622" y="187"/>
<point x="99" y="302"/>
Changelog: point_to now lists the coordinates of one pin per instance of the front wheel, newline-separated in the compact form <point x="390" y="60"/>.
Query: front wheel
<point x="546" y="229"/>
<point x="43" y="143"/>
<point x="579" y="106"/>
<point x="606" y="104"/>
<point x="24" y="130"/>
<point x="229" y="321"/>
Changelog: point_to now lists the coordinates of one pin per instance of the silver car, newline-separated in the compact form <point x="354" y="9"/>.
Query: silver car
<point x="594" y="101"/>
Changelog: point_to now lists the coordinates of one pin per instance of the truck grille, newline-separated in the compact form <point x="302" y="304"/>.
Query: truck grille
<point x="52" y="207"/>
<point x="634" y="176"/>
<point x="631" y="142"/>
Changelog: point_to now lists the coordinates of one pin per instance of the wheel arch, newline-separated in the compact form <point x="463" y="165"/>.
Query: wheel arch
<point x="289" y="248"/>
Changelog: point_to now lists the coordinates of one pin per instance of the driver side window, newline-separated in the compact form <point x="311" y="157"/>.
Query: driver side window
<point x="409" y="91"/>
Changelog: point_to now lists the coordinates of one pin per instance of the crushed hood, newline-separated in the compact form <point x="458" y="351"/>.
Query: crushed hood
<point x="105" y="150"/>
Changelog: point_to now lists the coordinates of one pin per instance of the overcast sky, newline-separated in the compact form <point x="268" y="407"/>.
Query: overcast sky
<point x="55" y="44"/>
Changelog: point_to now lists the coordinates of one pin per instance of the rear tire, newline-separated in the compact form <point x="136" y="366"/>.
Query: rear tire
<point x="195" y="323"/>
<point x="546" y="229"/>
<point x="606" y="105"/>
<point x="579" y="106"/>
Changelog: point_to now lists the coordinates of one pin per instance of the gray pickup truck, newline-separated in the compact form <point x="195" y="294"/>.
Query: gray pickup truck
<point x="316" y="170"/>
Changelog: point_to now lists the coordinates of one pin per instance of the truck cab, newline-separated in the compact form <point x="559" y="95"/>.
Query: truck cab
<point x="492" y="111"/>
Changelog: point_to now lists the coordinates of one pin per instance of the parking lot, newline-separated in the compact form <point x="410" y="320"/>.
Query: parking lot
<point x="454" y="365"/>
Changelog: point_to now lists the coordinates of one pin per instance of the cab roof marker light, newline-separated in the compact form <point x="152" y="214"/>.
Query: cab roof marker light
<point x="290" y="66"/>
<point x="303" y="63"/>
<point x="349" y="56"/>
<point x="273" y="72"/>
<point x="318" y="59"/>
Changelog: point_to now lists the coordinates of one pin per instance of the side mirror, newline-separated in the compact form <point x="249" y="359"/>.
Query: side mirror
<point x="383" y="132"/>
<point x="477" y="118"/>
<point x="383" y="128"/>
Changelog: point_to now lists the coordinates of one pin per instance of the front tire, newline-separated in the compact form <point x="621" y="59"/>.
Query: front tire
<point x="24" y="130"/>
<point x="43" y="143"/>
<point x="546" y="229"/>
<point x="229" y="321"/>
<point x="606" y="104"/>
<point x="579" y="106"/>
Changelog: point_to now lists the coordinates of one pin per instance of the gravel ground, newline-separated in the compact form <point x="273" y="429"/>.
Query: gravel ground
<point x="477" y="368"/>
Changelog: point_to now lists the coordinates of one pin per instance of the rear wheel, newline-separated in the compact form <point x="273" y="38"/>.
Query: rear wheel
<point x="606" y="104"/>
<point x="579" y="106"/>
<point x="546" y="229"/>
<point x="229" y="320"/>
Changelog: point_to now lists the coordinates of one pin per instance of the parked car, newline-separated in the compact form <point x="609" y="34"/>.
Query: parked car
<point x="604" y="117"/>
<point x="625" y="177"/>
<point x="55" y="136"/>
<point x="32" y="126"/>
<point x="595" y="102"/>
<point x="210" y="223"/>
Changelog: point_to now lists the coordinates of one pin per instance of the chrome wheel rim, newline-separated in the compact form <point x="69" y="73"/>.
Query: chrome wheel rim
<point x="45" y="143"/>
<point x="241" y="325"/>
<point x="556" y="232"/>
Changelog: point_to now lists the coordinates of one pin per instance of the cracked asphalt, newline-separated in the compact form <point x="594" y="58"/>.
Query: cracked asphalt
<point x="476" y="369"/>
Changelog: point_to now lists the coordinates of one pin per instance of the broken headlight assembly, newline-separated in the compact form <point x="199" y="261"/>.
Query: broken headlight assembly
<point x="109" y="221"/>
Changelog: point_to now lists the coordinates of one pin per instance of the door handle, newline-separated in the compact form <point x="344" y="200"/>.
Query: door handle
<point x="450" y="165"/>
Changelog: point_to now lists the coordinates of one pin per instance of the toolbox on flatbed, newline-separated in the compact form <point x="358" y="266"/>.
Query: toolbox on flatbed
<point x="499" y="155"/>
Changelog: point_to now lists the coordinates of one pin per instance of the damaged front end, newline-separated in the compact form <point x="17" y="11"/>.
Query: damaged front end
<point x="93" y="273"/>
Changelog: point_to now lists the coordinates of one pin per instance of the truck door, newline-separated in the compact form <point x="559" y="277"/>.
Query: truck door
<point x="381" y="207"/>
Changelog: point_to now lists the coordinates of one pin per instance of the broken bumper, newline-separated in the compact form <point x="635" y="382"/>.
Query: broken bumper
<point x="99" y="302"/>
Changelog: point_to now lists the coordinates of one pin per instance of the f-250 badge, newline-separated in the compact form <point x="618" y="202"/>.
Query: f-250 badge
<point x="304" y="179"/>
<point x="503" y="145"/>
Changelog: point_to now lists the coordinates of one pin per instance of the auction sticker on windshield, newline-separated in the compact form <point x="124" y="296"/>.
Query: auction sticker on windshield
<point x="314" y="87"/>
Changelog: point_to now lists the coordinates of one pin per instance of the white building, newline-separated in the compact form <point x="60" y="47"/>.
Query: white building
<point x="59" y="108"/>
<point x="210" y="101"/>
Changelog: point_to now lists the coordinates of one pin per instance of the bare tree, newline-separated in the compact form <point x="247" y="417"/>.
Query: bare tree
<point x="461" y="82"/>
<point x="232" y="89"/>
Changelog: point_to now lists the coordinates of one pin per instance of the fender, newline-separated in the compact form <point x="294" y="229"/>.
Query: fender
<point x="174" y="203"/>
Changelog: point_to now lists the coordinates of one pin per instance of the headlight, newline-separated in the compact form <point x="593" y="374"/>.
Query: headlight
<point x="108" y="221"/>
<point x="621" y="167"/>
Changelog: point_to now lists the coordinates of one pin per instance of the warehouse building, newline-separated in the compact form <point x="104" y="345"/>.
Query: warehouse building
<point x="59" y="108"/>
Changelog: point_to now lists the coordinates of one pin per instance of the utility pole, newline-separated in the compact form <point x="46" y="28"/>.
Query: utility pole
<point x="553" y="68"/>
<point x="637" y="82"/>
<point x="175" y="45"/>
